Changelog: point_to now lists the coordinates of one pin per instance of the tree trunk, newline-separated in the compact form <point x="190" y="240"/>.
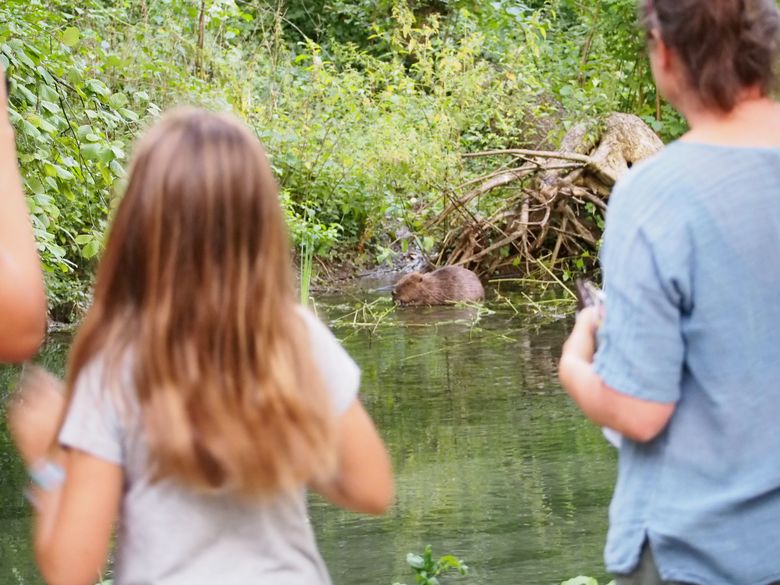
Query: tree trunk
<point x="201" y="39"/>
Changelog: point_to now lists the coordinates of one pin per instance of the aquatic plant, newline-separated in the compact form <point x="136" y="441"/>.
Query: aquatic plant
<point x="584" y="581"/>
<point x="427" y="570"/>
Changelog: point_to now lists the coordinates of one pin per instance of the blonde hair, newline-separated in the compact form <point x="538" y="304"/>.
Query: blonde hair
<point x="196" y="284"/>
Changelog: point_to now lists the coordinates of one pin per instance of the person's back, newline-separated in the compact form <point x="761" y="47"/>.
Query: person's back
<point x="689" y="347"/>
<point x="702" y="219"/>
<point x="172" y="534"/>
<point x="201" y="400"/>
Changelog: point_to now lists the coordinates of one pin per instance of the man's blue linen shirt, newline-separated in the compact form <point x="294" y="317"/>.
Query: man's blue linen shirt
<point x="691" y="261"/>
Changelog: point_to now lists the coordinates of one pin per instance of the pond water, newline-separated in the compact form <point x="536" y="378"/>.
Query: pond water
<point x="493" y="463"/>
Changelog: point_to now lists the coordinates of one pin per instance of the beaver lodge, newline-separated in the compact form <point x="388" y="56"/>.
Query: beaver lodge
<point x="555" y="200"/>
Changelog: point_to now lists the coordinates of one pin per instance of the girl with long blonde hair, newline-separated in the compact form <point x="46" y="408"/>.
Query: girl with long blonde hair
<point x="200" y="400"/>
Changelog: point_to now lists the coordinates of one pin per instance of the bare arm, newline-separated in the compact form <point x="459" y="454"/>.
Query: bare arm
<point x="74" y="520"/>
<point x="639" y="420"/>
<point x="73" y="523"/>
<point x="364" y="481"/>
<point x="22" y="297"/>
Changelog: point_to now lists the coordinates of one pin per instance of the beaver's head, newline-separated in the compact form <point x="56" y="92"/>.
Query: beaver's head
<point x="409" y="290"/>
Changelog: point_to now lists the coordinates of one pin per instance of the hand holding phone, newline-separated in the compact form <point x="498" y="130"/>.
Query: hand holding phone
<point x="588" y="295"/>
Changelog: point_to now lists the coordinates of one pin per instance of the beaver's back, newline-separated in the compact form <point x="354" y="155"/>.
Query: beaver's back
<point x="449" y="284"/>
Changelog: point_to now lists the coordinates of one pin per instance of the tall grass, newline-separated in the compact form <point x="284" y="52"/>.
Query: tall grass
<point x="306" y="264"/>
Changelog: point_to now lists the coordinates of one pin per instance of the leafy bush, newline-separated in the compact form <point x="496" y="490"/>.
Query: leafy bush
<point x="71" y="129"/>
<point x="365" y="129"/>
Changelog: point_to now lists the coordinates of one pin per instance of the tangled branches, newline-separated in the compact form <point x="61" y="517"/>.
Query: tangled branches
<point x="557" y="209"/>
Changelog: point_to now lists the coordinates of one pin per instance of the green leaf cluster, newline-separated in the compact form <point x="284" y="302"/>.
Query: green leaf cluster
<point x="365" y="108"/>
<point x="72" y="129"/>
<point x="428" y="570"/>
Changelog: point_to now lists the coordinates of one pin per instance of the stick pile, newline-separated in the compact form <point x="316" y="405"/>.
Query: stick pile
<point x="557" y="203"/>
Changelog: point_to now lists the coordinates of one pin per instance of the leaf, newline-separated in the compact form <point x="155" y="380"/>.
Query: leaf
<point x="415" y="561"/>
<point x="29" y="96"/>
<point x="22" y="56"/>
<point x="117" y="168"/>
<point x="118" y="100"/>
<point x="30" y="130"/>
<point x="50" y="106"/>
<point x="97" y="152"/>
<point x="70" y="36"/>
<point x="91" y="249"/>
<point x="63" y="174"/>
<point x="47" y="127"/>
<point x="98" y="87"/>
<point x="129" y="114"/>
<point x="82" y="131"/>
<point x="34" y="185"/>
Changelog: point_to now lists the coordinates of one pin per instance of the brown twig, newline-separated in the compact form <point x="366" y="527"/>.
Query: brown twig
<point x="573" y="156"/>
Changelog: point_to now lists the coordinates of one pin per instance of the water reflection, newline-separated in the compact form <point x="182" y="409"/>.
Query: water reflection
<point x="492" y="461"/>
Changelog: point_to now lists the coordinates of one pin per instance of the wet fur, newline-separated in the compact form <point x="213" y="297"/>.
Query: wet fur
<point x="449" y="284"/>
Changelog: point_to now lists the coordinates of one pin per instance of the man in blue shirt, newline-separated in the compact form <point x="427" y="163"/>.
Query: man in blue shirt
<point x="688" y="361"/>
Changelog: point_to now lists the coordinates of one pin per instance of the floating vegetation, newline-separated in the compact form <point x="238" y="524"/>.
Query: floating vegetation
<point x="427" y="570"/>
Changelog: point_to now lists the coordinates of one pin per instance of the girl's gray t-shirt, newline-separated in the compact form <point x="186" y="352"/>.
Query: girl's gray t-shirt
<point x="171" y="535"/>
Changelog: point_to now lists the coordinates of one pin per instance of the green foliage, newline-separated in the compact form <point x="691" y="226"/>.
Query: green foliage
<point x="365" y="108"/>
<point x="71" y="127"/>
<point x="427" y="570"/>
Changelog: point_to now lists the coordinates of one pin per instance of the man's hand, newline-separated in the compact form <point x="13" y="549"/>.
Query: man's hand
<point x="582" y="341"/>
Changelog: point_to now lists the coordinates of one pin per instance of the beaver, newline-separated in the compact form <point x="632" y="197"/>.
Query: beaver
<point x="449" y="284"/>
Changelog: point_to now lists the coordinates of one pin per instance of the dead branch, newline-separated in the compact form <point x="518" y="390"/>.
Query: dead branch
<point x="540" y="153"/>
<point x="553" y="217"/>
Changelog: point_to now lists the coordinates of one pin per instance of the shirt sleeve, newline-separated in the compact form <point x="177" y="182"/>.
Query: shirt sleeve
<point x="641" y="348"/>
<point x="92" y="423"/>
<point x="339" y="371"/>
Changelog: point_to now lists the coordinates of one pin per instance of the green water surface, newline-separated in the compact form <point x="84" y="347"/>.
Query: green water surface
<point x="493" y="463"/>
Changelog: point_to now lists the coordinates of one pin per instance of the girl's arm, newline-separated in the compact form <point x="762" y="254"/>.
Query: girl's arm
<point x="364" y="480"/>
<point x="74" y="522"/>
<point x="73" y="518"/>
<point x="22" y="298"/>
<point x="639" y="420"/>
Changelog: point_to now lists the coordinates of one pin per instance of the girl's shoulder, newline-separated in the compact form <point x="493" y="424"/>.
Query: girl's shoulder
<point x="339" y="371"/>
